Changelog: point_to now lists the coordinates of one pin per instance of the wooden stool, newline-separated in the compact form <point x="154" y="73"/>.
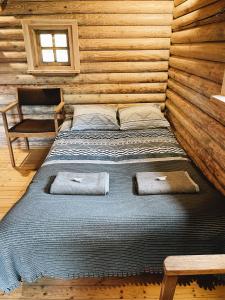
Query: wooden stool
<point x="175" y="266"/>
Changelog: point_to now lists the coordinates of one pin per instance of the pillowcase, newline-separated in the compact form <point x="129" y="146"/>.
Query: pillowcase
<point x="142" y="116"/>
<point x="66" y="125"/>
<point x="95" y="117"/>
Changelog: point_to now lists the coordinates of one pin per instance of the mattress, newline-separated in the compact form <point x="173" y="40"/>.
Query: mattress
<point x="120" y="234"/>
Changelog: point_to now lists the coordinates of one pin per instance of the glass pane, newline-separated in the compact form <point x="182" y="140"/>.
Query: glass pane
<point x="48" y="56"/>
<point x="62" y="56"/>
<point x="60" y="40"/>
<point x="46" y="40"/>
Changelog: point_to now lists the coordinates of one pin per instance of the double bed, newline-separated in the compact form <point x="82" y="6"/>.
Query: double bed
<point x="120" y="234"/>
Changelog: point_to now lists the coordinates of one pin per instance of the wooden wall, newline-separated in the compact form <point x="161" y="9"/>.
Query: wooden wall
<point x="197" y="66"/>
<point x="124" y="47"/>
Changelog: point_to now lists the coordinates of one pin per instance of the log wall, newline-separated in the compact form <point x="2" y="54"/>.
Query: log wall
<point x="124" y="49"/>
<point x="197" y="66"/>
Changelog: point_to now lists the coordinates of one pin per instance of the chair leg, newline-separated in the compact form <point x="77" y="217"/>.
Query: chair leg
<point x="11" y="154"/>
<point x="168" y="287"/>
<point x="27" y="143"/>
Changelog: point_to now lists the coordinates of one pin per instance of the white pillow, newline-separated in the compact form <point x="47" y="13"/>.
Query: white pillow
<point x="95" y="117"/>
<point x="142" y="116"/>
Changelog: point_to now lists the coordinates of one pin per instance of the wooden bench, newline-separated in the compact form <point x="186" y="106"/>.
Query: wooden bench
<point x="175" y="266"/>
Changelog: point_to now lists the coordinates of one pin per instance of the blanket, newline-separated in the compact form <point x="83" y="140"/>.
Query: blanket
<point x="121" y="234"/>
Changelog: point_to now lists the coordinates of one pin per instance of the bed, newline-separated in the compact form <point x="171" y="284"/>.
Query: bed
<point x="119" y="234"/>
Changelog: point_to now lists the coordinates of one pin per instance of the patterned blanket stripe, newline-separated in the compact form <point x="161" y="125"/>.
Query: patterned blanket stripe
<point x="115" y="145"/>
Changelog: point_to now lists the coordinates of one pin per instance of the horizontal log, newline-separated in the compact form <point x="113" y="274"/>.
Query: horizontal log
<point x="101" y="56"/>
<point x="207" y="33"/>
<point x="93" y="32"/>
<point x="215" y="152"/>
<point x="111" y="67"/>
<point x="199" y="118"/>
<point x="113" y="98"/>
<point x="126" y="88"/>
<point x="11" y="34"/>
<point x="189" y="6"/>
<point x="85" y="7"/>
<point x="13" y="68"/>
<point x="98" y="67"/>
<point x="11" y="89"/>
<point x="193" y="152"/>
<point x="206" y="51"/>
<point x="138" y="88"/>
<point x="6" y="21"/>
<point x="198" y="15"/>
<point x="12" y="46"/>
<point x="99" y="98"/>
<point x="203" y="86"/>
<point x="202" y="102"/>
<point x="178" y="2"/>
<point x="124" y="44"/>
<point x="210" y="70"/>
<point x="98" y="19"/>
<point x="214" y="19"/>
<point x="144" y="77"/>
<point x="15" y="1"/>
<point x="12" y="56"/>
<point x="6" y="99"/>
<point x="124" y="55"/>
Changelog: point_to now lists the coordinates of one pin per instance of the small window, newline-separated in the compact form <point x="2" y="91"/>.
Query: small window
<point x="52" y="50"/>
<point x="53" y="47"/>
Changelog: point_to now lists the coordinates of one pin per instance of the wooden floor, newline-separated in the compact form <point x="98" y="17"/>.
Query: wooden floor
<point x="13" y="183"/>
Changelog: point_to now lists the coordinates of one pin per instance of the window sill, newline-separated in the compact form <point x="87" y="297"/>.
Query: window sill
<point x="54" y="72"/>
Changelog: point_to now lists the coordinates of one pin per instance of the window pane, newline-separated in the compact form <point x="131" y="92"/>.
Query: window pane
<point x="48" y="56"/>
<point x="46" y="40"/>
<point x="60" y="40"/>
<point x="62" y="56"/>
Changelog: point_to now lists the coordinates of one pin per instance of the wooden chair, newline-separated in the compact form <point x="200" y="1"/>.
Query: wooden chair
<point x="175" y="266"/>
<point x="26" y="128"/>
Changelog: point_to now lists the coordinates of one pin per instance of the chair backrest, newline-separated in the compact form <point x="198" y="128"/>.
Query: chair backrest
<point x="39" y="96"/>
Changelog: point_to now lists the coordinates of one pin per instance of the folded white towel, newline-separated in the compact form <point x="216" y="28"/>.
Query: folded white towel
<point x="69" y="183"/>
<point x="152" y="183"/>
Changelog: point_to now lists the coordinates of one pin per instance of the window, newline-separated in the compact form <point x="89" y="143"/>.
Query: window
<point x="52" y="46"/>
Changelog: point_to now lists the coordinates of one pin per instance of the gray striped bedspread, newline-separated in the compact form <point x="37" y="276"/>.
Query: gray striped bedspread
<point x="114" y="146"/>
<point x="119" y="234"/>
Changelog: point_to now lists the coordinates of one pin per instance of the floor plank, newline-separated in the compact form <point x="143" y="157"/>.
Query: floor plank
<point x="13" y="184"/>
